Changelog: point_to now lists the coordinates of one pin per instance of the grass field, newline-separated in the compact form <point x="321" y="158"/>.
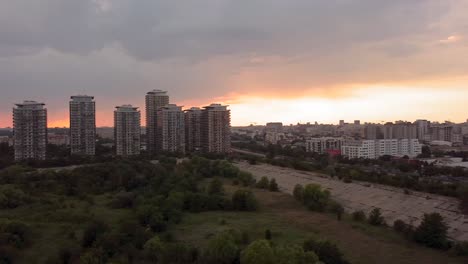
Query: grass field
<point x="292" y="223"/>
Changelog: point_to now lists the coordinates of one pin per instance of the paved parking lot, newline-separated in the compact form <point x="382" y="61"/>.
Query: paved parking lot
<point x="393" y="202"/>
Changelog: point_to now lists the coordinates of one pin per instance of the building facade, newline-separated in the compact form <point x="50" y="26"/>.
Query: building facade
<point x="193" y="131"/>
<point x="216" y="129"/>
<point x="373" y="149"/>
<point x="170" y="129"/>
<point x="83" y="125"/>
<point x="154" y="100"/>
<point x="127" y="130"/>
<point x="323" y="145"/>
<point x="30" y="130"/>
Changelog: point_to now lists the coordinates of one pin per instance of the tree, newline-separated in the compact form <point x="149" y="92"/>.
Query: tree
<point x="294" y="255"/>
<point x="263" y="183"/>
<point x="244" y="200"/>
<point x="432" y="231"/>
<point x="268" y="234"/>
<point x="298" y="192"/>
<point x="222" y="249"/>
<point x="273" y="186"/>
<point x="327" y="251"/>
<point x="215" y="187"/>
<point x="92" y="232"/>
<point x="376" y="218"/>
<point x="315" y="198"/>
<point x="153" y="249"/>
<point x="258" y="252"/>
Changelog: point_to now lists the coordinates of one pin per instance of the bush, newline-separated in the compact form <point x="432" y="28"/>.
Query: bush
<point x="315" y="198"/>
<point x="263" y="183"/>
<point x="298" y="192"/>
<point x="359" y="216"/>
<point x="123" y="200"/>
<point x="400" y="226"/>
<point x="432" y="231"/>
<point x="153" y="249"/>
<point x="12" y="197"/>
<point x="244" y="200"/>
<point x="376" y="218"/>
<point x="92" y="232"/>
<point x="222" y="249"/>
<point x="337" y="209"/>
<point x="14" y="234"/>
<point x="215" y="187"/>
<point x="273" y="186"/>
<point x="259" y="252"/>
<point x="327" y="251"/>
<point x="461" y="248"/>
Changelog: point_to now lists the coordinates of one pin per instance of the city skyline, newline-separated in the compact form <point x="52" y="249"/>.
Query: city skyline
<point x="294" y="61"/>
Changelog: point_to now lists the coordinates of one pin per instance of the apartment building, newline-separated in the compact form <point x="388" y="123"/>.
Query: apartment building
<point x="216" y="129"/>
<point x="193" y="131"/>
<point x="83" y="125"/>
<point x="324" y="144"/>
<point x="127" y="130"/>
<point x="154" y="100"/>
<point x="372" y="149"/>
<point x="170" y="129"/>
<point x="30" y="130"/>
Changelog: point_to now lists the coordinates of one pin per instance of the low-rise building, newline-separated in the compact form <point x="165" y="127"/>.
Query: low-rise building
<point x="372" y="149"/>
<point x="324" y="144"/>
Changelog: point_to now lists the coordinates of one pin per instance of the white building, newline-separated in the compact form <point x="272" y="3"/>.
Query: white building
<point x="321" y="145"/>
<point x="83" y="125"/>
<point x="359" y="149"/>
<point x="127" y="130"/>
<point x="372" y="149"/>
<point x="30" y="130"/>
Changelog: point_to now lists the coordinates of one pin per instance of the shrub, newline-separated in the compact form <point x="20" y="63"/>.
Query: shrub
<point x="359" y="216"/>
<point x="315" y="198"/>
<point x="222" y="249"/>
<point x="244" y="200"/>
<point x="461" y="248"/>
<point x="298" y="192"/>
<point x="258" y="252"/>
<point x="432" y="231"/>
<point x="337" y="209"/>
<point x="153" y="249"/>
<point x="376" y="218"/>
<point x="263" y="183"/>
<point x="327" y="251"/>
<point x="273" y="186"/>
<point x="215" y="187"/>
<point x="400" y="226"/>
<point x="12" y="197"/>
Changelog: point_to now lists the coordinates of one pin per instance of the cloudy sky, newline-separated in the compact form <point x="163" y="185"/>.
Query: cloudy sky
<point x="270" y="60"/>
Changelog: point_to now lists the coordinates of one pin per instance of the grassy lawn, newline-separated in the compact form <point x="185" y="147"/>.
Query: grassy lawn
<point x="291" y="223"/>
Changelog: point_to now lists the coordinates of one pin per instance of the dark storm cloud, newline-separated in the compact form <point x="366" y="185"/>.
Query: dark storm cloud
<point x="119" y="49"/>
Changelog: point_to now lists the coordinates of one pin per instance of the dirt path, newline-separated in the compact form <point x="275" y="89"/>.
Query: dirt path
<point x="374" y="246"/>
<point x="360" y="196"/>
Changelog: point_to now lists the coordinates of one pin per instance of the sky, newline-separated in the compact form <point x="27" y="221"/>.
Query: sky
<point x="269" y="60"/>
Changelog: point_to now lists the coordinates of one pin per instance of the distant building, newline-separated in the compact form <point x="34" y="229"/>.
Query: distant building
<point x="216" y="129"/>
<point x="342" y="122"/>
<point x="127" y="130"/>
<point x="399" y="130"/>
<point x="372" y="131"/>
<point x="274" y="127"/>
<point x="83" y="125"/>
<point x="422" y="127"/>
<point x="30" y="130"/>
<point x="324" y="144"/>
<point x="272" y="137"/>
<point x="357" y="122"/>
<point x="154" y="100"/>
<point x="58" y="139"/>
<point x="372" y="149"/>
<point x="193" y="130"/>
<point x="170" y="129"/>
